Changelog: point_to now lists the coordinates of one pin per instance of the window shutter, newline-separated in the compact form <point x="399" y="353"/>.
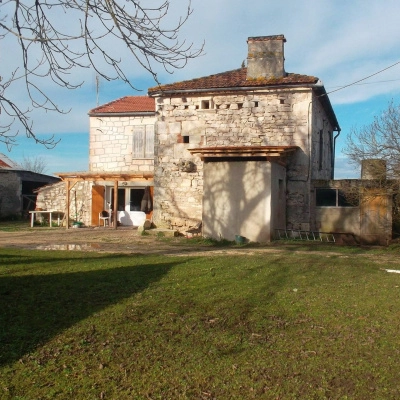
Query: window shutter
<point x="138" y="141"/>
<point x="149" y="151"/>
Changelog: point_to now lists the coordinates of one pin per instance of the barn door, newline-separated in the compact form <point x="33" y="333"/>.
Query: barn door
<point x="97" y="202"/>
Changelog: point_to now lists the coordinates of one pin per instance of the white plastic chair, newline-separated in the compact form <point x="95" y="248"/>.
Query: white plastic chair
<point x="105" y="217"/>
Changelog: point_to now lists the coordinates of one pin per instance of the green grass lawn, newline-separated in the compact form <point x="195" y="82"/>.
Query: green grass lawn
<point x="285" y="325"/>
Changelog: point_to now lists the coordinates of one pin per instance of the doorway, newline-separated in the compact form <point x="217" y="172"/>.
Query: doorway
<point x="134" y="204"/>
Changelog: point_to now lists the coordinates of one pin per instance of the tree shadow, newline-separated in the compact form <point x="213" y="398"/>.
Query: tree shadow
<point x="35" y="308"/>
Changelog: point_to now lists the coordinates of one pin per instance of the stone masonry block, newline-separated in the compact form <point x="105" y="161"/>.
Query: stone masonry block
<point x="174" y="128"/>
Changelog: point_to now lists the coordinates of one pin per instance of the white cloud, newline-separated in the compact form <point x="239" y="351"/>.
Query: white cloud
<point x="338" y="41"/>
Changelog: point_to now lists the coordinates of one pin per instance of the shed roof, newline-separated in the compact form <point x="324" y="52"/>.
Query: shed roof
<point x="7" y="163"/>
<point x="127" y="104"/>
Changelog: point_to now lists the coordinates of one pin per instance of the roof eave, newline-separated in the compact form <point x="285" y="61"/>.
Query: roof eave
<point x="122" y="114"/>
<point x="231" y="88"/>
<point x="326" y="103"/>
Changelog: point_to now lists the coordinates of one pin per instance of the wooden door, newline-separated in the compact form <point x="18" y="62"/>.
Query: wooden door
<point x="97" y="202"/>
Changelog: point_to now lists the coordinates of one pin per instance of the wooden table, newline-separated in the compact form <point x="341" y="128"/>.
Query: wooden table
<point x="51" y="213"/>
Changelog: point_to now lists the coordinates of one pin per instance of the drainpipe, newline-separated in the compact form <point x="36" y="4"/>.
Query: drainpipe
<point x="333" y="155"/>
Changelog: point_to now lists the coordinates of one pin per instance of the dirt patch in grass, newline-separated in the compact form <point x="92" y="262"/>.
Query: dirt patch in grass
<point x="122" y="240"/>
<point x="130" y="241"/>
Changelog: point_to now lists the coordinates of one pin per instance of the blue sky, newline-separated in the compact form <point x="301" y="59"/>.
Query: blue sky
<point x="339" y="41"/>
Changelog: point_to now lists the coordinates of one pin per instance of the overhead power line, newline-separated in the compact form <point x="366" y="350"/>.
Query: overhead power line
<point x="363" y="79"/>
<point x="370" y="83"/>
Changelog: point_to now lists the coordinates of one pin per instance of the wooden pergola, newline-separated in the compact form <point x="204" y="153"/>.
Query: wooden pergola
<point x="71" y="178"/>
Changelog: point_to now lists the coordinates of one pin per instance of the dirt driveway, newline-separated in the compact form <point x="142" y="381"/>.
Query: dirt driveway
<point x="122" y="240"/>
<point x="129" y="241"/>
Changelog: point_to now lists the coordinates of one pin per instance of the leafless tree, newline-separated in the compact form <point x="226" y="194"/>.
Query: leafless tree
<point x="35" y="164"/>
<point x="53" y="38"/>
<point x="378" y="142"/>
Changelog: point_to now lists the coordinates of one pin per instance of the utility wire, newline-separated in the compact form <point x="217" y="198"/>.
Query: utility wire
<point x="370" y="83"/>
<point x="363" y="79"/>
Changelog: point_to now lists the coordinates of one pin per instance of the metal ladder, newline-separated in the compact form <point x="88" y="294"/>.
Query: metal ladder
<point x="293" y="234"/>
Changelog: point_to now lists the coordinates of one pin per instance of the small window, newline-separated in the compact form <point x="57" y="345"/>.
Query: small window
<point x="185" y="139"/>
<point x="240" y="106"/>
<point x="343" y="200"/>
<point x="326" y="197"/>
<point x="332" y="198"/>
<point x="205" y="104"/>
<point x="256" y="103"/>
<point x="281" y="101"/>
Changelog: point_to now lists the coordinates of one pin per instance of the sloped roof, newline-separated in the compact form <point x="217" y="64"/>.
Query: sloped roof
<point x="127" y="104"/>
<point x="234" y="79"/>
<point x="7" y="163"/>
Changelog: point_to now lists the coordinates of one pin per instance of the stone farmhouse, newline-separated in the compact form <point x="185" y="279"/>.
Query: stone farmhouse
<point x="245" y="152"/>
<point x="239" y="150"/>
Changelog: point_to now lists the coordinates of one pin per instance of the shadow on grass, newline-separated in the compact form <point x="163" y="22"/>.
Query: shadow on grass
<point x="35" y="308"/>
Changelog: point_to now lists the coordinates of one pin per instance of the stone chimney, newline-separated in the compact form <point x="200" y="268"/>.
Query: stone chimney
<point x="265" y="58"/>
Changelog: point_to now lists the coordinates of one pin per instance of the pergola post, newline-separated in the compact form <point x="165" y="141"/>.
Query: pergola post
<point x="115" y="204"/>
<point x="67" y="201"/>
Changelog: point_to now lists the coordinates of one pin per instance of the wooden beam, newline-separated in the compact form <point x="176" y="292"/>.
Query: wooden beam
<point x="242" y="151"/>
<point x="67" y="191"/>
<point x="115" y="204"/>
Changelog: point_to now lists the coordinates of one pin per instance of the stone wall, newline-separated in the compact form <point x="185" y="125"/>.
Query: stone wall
<point x="367" y="217"/>
<point x="53" y="197"/>
<point x="111" y="144"/>
<point x="275" y="118"/>
<point x="10" y="193"/>
<point x="312" y="161"/>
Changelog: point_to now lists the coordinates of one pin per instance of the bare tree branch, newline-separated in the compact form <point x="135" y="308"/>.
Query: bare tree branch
<point x="34" y="164"/>
<point x="379" y="140"/>
<point x="50" y="50"/>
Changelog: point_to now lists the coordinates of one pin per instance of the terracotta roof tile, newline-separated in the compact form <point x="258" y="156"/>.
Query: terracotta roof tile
<point x="126" y="104"/>
<point x="234" y="79"/>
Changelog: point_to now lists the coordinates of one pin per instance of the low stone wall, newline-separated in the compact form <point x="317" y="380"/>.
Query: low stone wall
<point x="53" y="197"/>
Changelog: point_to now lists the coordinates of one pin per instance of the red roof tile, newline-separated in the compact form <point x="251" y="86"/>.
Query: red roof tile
<point x="127" y="104"/>
<point x="234" y="79"/>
